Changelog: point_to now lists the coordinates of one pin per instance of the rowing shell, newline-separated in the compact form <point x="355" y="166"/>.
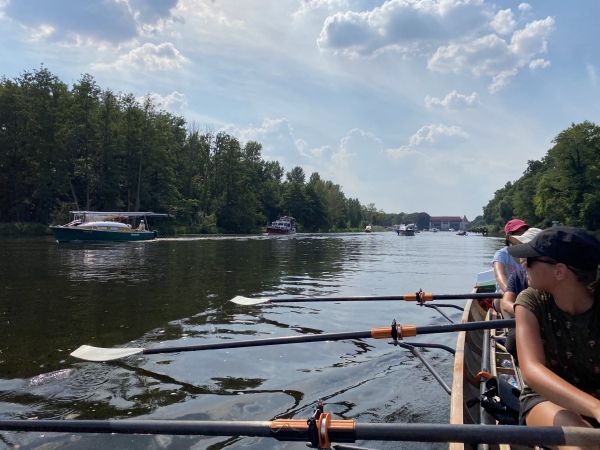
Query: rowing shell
<point x="477" y="351"/>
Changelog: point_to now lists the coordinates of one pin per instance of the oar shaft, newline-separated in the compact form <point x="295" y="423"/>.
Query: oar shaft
<point x="474" y="434"/>
<point x="376" y="333"/>
<point x="263" y="342"/>
<point x="172" y="427"/>
<point x="406" y="297"/>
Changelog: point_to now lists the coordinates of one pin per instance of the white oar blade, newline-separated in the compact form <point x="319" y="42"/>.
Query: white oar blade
<point x="90" y="353"/>
<point x="245" y="301"/>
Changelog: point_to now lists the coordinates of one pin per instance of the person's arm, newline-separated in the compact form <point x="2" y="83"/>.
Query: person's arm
<point x="507" y="304"/>
<point x="500" y="274"/>
<point x="541" y="379"/>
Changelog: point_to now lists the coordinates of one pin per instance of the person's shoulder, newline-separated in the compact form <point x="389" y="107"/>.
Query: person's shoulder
<point x="532" y="298"/>
<point x="501" y="255"/>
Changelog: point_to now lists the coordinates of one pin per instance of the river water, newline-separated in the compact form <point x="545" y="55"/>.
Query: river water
<point x="176" y="291"/>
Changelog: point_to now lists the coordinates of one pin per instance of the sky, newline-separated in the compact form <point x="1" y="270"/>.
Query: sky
<point x="413" y="105"/>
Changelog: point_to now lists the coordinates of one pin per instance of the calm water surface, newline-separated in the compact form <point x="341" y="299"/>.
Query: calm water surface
<point x="55" y="297"/>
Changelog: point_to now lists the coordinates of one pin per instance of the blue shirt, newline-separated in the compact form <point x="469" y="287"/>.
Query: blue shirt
<point x="510" y="265"/>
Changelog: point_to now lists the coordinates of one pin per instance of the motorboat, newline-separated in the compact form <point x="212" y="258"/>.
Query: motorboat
<point x="368" y="229"/>
<point x="406" y="230"/>
<point x="283" y="225"/>
<point x="105" y="226"/>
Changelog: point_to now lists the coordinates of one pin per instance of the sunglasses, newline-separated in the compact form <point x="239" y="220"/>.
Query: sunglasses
<point x="531" y="260"/>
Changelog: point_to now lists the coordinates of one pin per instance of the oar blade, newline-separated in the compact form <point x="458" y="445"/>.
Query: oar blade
<point x="246" y="301"/>
<point x="89" y="353"/>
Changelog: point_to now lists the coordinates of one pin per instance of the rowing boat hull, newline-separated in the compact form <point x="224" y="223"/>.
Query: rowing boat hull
<point x="468" y="362"/>
<point x="68" y="234"/>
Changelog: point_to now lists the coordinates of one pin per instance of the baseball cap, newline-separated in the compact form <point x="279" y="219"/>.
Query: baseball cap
<point x="568" y="245"/>
<point x="514" y="225"/>
<point x="525" y="237"/>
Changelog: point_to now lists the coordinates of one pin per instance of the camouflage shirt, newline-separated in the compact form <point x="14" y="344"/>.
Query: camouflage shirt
<point x="571" y="343"/>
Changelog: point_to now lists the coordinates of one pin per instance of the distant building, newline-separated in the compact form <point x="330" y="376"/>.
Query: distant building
<point x="444" y="223"/>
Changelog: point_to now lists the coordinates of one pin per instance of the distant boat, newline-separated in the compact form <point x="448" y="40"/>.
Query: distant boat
<point x="461" y="233"/>
<point x="105" y="226"/>
<point x="434" y="230"/>
<point x="368" y="229"/>
<point x="406" y="230"/>
<point x="283" y="225"/>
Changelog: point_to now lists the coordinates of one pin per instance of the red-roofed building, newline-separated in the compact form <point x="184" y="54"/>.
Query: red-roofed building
<point x="444" y="223"/>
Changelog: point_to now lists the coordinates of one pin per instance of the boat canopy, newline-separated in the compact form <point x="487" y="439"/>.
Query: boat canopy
<point x="97" y="215"/>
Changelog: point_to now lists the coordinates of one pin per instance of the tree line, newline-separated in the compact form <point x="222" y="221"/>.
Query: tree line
<point x="564" y="186"/>
<point x="68" y="148"/>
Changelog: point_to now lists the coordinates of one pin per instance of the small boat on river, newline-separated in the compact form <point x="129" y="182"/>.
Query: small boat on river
<point x="105" y="226"/>
<point x="406" y="230"/>
<point x="368" y="229"/>
<point x="283" y="225"/>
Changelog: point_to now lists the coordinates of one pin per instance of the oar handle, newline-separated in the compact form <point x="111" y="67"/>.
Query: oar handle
<point x="467" y="326"/>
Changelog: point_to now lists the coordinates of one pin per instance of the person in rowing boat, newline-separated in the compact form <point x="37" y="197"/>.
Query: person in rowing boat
<point x="558" y="329"/>
<point x="503" y="263"/>
<point x="517" y="281"/>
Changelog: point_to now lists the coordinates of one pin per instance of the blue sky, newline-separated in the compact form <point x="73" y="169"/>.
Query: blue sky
<point x="414" y="105"/>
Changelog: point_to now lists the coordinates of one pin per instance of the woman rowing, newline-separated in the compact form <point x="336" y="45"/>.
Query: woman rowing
<point x="558" y="329"/>
<point x="503" y="263"/>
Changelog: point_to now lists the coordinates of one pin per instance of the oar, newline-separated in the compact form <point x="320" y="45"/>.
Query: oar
<point x="90" y="353"/>
<point x="247" y="301"/>
<point x="327" y="431"/>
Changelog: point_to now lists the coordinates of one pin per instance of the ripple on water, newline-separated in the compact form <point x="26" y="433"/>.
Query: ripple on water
<point x="177" y="292"/>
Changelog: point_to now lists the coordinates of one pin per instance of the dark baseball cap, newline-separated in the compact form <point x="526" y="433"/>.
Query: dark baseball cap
<point x="568" y="245"/>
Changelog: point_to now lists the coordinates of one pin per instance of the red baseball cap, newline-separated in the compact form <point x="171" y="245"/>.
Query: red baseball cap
<point x="514" y="225"/>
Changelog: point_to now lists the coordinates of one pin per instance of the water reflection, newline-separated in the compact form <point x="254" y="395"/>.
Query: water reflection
<point x="104" y="262"/>
<point x="176" y="292"/>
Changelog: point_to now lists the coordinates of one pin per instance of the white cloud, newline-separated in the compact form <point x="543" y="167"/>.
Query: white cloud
<point x="114" y="21"/>
<point x="454" y="100"/>
<point x="173" y="102"/>
<point x="40" y="33"/>
<point x="539" y="64"/>
<point x="503" y="22"/>
<point x="277" y="138"/>
<point x="501" y="80"/>
<point x="148" y="57"/>
<point x="591" y="70"/>
<point x="524" y="7"/>
<point x="491" y="55"/>
<point x="357" y="160"/>
<point x="309" y="5"/>
<point x="405" y="26"/>
<point x="208" y="13"/>
<point x="428" y="134"/>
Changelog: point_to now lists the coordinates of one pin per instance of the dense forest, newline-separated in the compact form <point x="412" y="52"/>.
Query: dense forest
<point x="564" y="186"/>
<point x="85" y="148"/>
